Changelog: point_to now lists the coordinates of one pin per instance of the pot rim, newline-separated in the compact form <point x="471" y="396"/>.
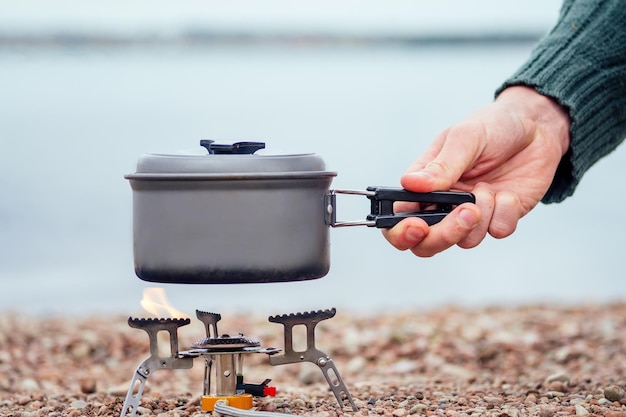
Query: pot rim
<point x="238" y="176"/>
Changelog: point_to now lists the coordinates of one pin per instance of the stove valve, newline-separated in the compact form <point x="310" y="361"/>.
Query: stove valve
<point x="256" y="390"/>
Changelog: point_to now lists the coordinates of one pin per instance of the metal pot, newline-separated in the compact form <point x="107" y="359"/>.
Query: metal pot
<point x="230" y="216"/>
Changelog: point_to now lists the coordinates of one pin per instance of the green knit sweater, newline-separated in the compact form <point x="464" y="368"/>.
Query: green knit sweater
<point x="581" y="64"/>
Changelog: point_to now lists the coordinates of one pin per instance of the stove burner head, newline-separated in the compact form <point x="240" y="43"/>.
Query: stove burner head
<point x="226" y="342"/>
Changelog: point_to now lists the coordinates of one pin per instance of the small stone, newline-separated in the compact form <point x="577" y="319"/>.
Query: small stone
<point x="558" y="376"/>
<point x="400" y="412"/>
<point x="510" y="412"/>
<point x="547" y="411"/>
<point x="310" y="375"/>
<point x="88" y="385"/>
<point x="559" y="386"/>
<point x="565" y="354"/>
<point x="488" y="352"/>
<point x="29" y="384"/>
<point x="614" y="393"/>
<point x="418" y="409"/>
<point x="581" y="411"/>
<point x="298" y="403"/>
<point x="78" y="404"/>
<point x="23" y="399"/>
<point x="269" y="407"/>
<point x="143" y="410"/>
<point x="80" y="350"/>
<point x="493" y="400"/>
<point x="404" y="366"/>
<point x="355" y="364"/>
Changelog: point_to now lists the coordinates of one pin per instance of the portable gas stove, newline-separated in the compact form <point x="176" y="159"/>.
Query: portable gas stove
<point x="226" y="352"/>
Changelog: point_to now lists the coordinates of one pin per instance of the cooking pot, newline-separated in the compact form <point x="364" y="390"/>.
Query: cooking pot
<point x="228" y="215"/>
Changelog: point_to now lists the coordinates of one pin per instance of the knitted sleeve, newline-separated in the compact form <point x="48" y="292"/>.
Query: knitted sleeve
<point x="581" y="64"/>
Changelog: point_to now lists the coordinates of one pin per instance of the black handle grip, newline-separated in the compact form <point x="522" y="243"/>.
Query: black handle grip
<point x="382" y="200"/>
<point x="435" y="197"/>
<point x="386" y="222"/>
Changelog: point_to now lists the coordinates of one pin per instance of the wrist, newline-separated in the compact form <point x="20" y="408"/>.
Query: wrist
<point x="547" y="115"/>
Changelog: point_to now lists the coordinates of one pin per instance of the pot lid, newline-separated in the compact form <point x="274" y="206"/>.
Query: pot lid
<point x="237" y="158"/>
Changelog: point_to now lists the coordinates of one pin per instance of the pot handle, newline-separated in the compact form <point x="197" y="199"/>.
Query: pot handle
<point x="382" y="199"/>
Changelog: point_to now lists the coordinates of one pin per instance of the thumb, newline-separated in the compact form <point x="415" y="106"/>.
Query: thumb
<point x="456" y="156"/>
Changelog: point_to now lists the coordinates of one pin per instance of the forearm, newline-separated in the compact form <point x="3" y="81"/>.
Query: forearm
<point x="581" y="64"/>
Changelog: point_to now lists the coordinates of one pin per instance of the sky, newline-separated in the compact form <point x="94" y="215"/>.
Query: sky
<point x="394" y="17"/>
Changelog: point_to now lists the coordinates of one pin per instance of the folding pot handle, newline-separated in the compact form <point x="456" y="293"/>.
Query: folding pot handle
<point x="382" y="214"/>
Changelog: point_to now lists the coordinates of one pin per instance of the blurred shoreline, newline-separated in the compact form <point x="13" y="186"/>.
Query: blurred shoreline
<point x="278" y="22"/>
<point x="207" y="38"/>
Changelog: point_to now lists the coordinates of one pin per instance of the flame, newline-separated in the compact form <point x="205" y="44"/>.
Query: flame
<point x="155" y="302"/>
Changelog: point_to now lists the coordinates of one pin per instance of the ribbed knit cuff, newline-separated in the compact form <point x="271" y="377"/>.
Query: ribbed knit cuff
<point x="581" y="64"/>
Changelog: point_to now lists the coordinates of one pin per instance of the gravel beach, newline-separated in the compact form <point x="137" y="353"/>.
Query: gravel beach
<point x="538" y="360"/>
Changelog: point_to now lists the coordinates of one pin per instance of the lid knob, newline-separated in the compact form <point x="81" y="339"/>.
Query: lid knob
<point x="238" y="148"/>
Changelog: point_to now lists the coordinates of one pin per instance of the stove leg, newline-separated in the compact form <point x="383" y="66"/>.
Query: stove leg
<point x="335" y="382"/>
<point x="132" y="401"/>
<point x="311" y="354"/>
<point x="155" y="361"/>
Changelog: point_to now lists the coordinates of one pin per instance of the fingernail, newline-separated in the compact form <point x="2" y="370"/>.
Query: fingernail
<point x="468" y="218"/>
<point x="414" y="234"/>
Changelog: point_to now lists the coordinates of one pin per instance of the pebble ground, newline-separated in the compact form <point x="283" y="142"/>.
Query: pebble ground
<point x="540" y="360"/>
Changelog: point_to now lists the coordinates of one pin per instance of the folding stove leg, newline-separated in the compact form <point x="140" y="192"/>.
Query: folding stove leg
<point x="311" y="354"/>
<point x="132" y="401"/>
<point x="154" y="362"/>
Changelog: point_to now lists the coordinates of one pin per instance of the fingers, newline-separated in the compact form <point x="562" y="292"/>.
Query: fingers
<point x="467" y="226"/>
<point x="507" y="212"/>
<point x="406" y="234"/>
<point x="451" y="230"/>
<point x="485" y="200"/>
<point x="413" y="233"/>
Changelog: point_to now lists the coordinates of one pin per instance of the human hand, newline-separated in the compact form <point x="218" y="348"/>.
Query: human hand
<point x="506" y="154"/>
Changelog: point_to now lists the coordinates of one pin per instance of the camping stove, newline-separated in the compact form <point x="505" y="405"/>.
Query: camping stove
<point x="225" y="353"/>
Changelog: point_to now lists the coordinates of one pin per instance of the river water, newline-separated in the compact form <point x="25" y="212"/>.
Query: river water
<point x="74" y="120"/>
